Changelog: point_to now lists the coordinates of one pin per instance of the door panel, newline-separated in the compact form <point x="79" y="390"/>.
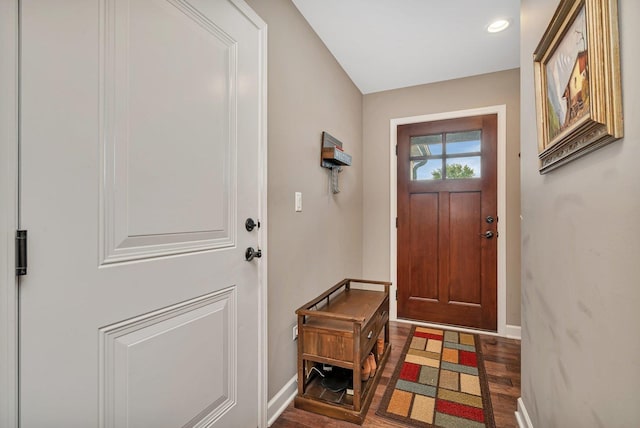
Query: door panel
<point x="169" y="130"/>
<point x="152" y="374"/>
<point x="187" y="69"/>
<point x="140" y="131"/>
<point x="424" y="275"/>
<point x="464" y="247"/>
<point x="447" y="185"/>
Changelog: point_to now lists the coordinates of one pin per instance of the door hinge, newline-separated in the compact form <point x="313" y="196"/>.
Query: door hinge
<point x="396" y="150"/>
<point x="396" y="222"/>
<point x="396" y="294"/>
<point x="21" y="252"/>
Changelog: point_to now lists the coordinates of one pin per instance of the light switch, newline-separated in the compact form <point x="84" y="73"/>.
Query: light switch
<point x="298" y="202"/>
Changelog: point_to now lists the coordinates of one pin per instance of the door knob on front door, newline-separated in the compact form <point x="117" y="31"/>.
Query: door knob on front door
<point x="487" y="235"/>
<point x="251" y="254"/>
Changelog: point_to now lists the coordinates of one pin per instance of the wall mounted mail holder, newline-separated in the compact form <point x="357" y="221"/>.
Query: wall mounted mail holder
<point x="333" y="157"/>
<point x="332" y="154"/>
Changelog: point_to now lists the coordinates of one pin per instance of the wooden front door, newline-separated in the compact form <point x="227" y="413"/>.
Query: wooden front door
<point x="140" y="137"/>
<point x="447" y="215"/>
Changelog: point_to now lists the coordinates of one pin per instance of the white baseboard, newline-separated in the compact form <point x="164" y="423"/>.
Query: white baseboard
<point x="281" y="400"/>
<point x="522" y="416"/>
<point x="514" y="332"/>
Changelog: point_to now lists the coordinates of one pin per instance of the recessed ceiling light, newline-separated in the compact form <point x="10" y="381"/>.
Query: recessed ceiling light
<point x="498" y="25"/>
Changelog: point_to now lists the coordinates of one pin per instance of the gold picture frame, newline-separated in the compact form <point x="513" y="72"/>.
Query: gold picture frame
<point x="577" y="77"/>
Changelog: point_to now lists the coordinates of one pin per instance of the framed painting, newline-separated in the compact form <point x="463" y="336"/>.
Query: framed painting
<point x="577" y="76"/>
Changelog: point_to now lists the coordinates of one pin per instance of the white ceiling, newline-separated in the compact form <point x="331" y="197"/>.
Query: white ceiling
<point x="389" y="44"/>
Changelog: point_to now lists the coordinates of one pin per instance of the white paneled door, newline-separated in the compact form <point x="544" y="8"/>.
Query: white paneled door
<point x="142" y="133"/>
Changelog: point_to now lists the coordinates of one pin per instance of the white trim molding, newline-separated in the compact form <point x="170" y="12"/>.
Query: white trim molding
<point x="514" y="332"/>
<point x="263" y="335"/>
<point x="281" y="400"/>
<point x="501" y="111"/>
<point x="524" y="421"/>
<point x="9" y="218"/>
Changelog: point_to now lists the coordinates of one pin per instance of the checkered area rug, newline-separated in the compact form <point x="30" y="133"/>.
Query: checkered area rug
<point x="439" y="382"/>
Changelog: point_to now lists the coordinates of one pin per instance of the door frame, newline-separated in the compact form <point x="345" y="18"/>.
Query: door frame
<point x="501" y="111"/>
<point x="9" y="125"/>
<point x="9" y="216"/>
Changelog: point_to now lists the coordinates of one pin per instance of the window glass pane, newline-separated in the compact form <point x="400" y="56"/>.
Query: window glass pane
<point x="424" y="169"/>
<point x="463" y="142"/>
<point x="467" y="167"/>
<point x="426" y="145"/>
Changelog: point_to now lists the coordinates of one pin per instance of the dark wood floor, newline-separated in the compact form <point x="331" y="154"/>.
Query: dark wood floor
<point x="502" y="363"/>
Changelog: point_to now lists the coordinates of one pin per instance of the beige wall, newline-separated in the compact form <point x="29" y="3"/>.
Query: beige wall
<point x="311" y="250"/>
<point x="581" y="259"/>
<point x="460" y="94"/>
